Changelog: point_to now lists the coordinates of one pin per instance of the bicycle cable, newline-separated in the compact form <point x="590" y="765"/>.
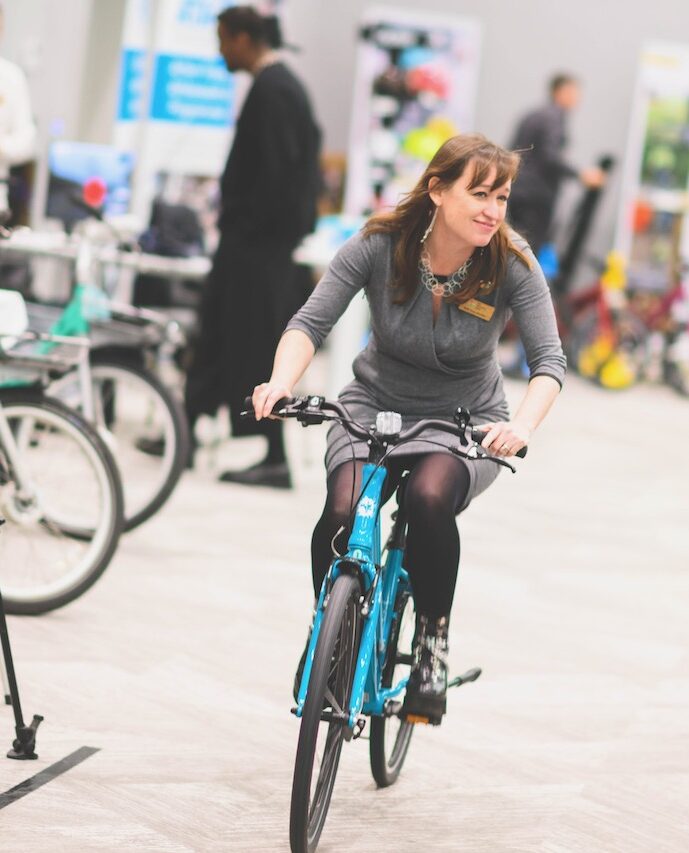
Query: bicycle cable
<point x="378" y="465"/>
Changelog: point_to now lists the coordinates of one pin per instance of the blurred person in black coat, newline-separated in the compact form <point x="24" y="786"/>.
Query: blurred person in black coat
<point x="17" y="128"/>
<point x="541" y="137"/>
<point x="269" y="191"/>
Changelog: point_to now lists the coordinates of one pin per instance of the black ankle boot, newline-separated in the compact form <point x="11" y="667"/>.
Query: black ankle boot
<point x="425" y="699"/>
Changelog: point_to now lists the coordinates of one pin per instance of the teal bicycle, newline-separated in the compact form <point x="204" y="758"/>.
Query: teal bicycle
<point x="360" y="649"/>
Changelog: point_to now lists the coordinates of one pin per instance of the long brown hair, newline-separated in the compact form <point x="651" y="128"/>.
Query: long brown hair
<point x="412" y="216"/>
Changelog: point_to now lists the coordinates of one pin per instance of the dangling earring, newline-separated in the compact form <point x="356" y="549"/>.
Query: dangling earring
<point x="427" y="232"/>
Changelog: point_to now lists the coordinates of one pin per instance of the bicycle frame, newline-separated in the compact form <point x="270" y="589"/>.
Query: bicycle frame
<point x="380" y="587"/>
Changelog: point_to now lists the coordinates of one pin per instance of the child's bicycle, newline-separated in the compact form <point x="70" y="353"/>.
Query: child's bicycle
<point x="360" y="648"/>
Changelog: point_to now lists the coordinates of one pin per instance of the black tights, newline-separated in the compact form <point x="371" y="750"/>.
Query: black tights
<point x="434" y="493"/>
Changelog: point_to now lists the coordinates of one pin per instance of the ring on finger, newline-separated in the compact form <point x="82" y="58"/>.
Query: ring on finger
<point x="504" y="449"/>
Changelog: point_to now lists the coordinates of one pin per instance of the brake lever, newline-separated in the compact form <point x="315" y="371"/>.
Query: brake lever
<point x="503" y="462"/>
<point x="477" y="453"/>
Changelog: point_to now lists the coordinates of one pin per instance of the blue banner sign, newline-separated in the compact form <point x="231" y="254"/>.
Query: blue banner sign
<point x="130" y="106"/>
<point x="192" y="90"/>
<point x="201" y="13"/>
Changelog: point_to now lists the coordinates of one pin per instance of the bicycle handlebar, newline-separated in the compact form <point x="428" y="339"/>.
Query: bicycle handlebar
<point x="314" y="410"/>
<point x="478" y="435"/>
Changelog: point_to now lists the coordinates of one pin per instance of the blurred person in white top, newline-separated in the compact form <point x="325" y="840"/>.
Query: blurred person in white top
<point x="17" y="129"/>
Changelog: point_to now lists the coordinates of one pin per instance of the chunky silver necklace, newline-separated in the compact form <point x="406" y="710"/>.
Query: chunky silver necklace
<point x="442" y="288"/>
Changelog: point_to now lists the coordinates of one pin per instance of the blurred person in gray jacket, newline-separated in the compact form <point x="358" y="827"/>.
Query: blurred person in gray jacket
<point x="541" y="138"/>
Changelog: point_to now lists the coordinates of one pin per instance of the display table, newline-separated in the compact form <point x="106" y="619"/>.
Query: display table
<point x="57" y="244"/>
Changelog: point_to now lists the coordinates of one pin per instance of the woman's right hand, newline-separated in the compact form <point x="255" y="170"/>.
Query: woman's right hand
<point x="266" y="395"/>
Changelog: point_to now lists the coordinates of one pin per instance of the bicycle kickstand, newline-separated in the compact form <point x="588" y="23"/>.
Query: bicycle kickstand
<point x="465" y="677"/>
<point x="24" y="745"/>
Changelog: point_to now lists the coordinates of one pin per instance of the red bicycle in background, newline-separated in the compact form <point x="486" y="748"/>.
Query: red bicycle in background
<point x="617" y="336"/>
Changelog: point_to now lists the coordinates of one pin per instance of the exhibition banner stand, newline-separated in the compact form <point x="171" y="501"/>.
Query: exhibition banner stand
<point x="652" y="233"/>
<point x="177" y="102"/>
<point x="415" y="87"/>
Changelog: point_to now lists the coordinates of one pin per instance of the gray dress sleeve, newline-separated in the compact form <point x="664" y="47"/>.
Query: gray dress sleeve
<point x="529" y="299"/>
<point x="348" y="273"/>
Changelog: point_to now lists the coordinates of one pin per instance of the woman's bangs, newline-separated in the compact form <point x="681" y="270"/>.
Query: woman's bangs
<point x="502" y="161"/>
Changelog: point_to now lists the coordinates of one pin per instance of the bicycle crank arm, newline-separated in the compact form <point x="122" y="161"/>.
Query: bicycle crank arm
<point x="392" y="708"/>
<point x="469" y="675"/>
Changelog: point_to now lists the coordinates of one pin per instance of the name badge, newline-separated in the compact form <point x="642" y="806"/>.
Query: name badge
<point x="477" y="309"/>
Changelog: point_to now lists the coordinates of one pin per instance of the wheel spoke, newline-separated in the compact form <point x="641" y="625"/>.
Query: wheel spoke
<point x="63" y="518"/>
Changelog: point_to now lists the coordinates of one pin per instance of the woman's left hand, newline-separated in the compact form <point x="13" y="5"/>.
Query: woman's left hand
<point x="505" y="439"/>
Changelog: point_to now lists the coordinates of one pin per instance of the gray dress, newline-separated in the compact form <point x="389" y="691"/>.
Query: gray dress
<point x="422" y="370"/>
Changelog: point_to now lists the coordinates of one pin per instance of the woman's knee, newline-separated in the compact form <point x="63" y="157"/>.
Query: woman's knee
<point x="439" y="486"/>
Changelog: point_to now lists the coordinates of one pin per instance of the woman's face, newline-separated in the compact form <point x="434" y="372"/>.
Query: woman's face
<point x="470" y="214"/>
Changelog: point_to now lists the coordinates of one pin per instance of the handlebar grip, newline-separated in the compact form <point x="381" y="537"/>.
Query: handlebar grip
<point x="249" y="406"/>
<point x="478" y="435"/>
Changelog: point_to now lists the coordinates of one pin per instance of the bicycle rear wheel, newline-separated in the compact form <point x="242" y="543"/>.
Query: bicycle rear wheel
<point x="62" y="500"/>
<point x="390" y="736"/>
<point x="320" y="742"/>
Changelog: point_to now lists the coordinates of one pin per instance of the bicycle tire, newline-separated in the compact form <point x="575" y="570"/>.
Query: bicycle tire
<point x="148" y="481"/>
<point x="56" y="447"/>
<point x="332" y="672"/>
<point x="390" y="737"/>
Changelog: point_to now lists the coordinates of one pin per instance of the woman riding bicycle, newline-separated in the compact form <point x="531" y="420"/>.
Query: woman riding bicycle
<point x="442" y="273"/>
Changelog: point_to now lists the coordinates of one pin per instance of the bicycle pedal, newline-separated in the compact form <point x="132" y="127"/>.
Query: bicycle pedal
<point x="416" y="719"/>
<point x="465" y="677"/>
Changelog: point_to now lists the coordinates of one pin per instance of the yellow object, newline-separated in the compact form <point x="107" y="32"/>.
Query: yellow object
<point x="617" y="372"/>
<point x="423" y="142"/>
<point x="592" y="357"/>
<point x="442" y="128"/>
<point x="614" y="277"/>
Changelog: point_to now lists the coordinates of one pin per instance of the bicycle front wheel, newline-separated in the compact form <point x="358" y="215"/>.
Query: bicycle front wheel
<point x="329" y="690"/>
<point x="390" y="736"/>
<point x="144" y="426"/>
<point x="61" y="497"/>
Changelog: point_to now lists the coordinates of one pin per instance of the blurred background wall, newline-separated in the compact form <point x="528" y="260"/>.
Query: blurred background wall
<point x="524" y="43"/>
<point x="70" y="48"/>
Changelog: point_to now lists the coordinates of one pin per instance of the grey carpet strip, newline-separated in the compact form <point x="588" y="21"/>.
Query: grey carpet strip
<point x="47" y="775"/>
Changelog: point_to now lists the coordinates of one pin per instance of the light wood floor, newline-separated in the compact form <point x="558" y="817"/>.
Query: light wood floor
<point x="572" y="597"/>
